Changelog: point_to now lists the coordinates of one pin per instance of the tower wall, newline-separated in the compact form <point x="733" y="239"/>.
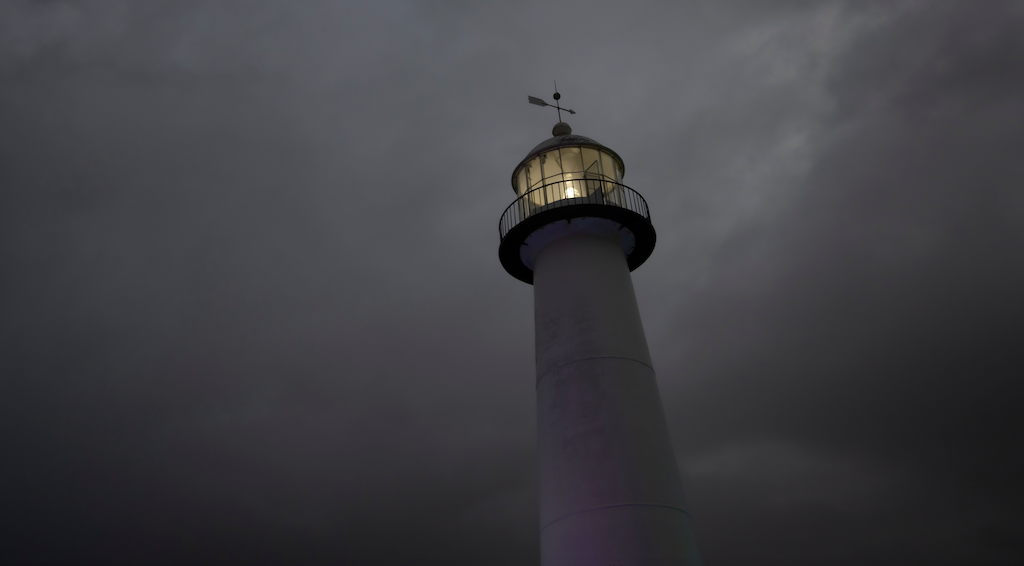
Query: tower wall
<point x="610" y="489"/>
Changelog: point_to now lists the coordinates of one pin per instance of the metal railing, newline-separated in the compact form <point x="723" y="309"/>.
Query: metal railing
<point x="571" y="193"/>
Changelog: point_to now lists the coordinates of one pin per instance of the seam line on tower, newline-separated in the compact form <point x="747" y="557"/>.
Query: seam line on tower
<point x="683" y="511"/>
<point x="593" y="358"/>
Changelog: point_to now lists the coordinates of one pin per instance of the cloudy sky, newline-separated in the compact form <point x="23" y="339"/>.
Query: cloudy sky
<point x="251" y="306"/>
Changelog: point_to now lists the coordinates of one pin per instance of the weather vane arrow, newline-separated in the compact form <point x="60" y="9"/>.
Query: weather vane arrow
<point x="539" y="102"/>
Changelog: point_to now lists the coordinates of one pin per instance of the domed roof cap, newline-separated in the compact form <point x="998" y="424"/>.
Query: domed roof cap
<point x="563" y="136"/>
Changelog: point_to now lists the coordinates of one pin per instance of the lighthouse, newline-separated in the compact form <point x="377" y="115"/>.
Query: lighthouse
<point x="610" y="491"/>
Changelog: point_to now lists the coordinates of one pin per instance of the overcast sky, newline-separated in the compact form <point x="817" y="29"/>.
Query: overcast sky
<point x="251" y="306"/>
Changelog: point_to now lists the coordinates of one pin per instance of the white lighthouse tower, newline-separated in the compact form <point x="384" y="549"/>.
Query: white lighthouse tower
<point x="609" y="484"/>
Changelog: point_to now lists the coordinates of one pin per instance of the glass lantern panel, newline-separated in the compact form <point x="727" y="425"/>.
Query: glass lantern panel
<point x="555" y="192"/>
<point x="571" y="161"/>
<point x="536" y="196"/>
<point x="591" y="162"/>
<point x="540" y="197"/>
<point x="614" y="194"/>
<point x="521" y="185"/>
<point x="609" y="168"/>
<point x="533" y="176"/>
<point x="573" y="187"/>
<point x="550" y="163"/>
<point x="572" y="171"/>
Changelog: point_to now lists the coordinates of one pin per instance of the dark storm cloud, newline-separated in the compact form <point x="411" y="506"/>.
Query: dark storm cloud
<point x="223" y="317"/>
<point x="865" y="338"/>
<point x="251" y="306"/>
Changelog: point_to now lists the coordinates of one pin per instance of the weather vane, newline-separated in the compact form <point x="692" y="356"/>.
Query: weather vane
<point x="539" y="102"/>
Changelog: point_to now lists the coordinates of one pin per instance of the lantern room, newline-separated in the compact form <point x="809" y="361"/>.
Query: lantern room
<point x="565" y="179"/>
